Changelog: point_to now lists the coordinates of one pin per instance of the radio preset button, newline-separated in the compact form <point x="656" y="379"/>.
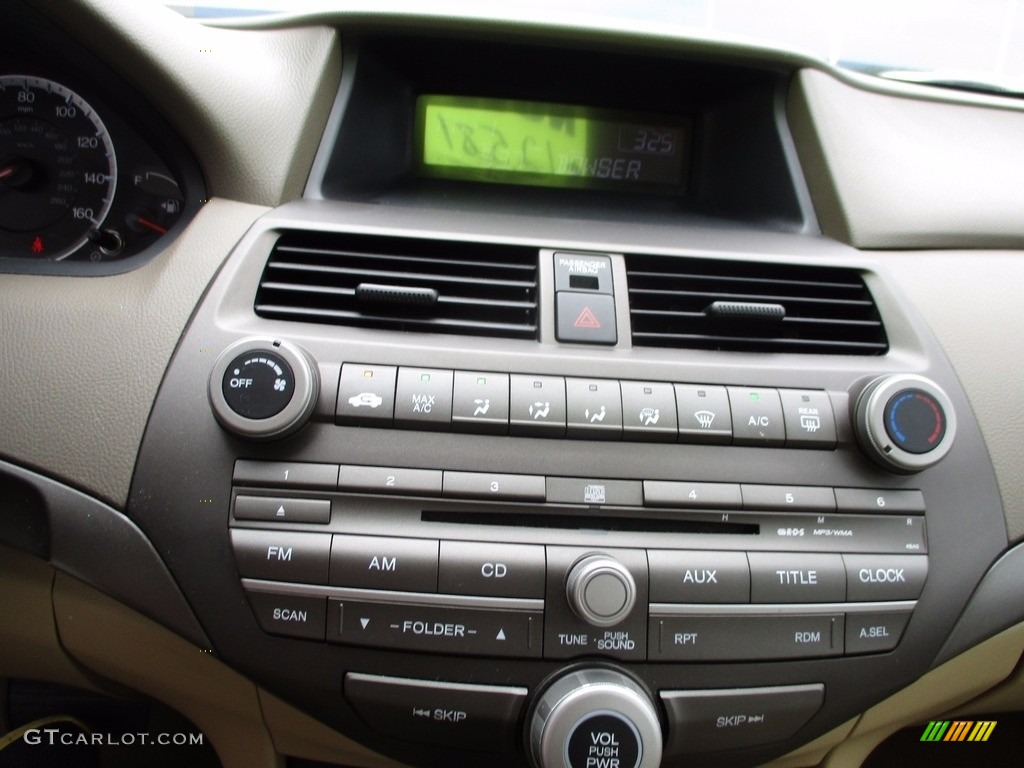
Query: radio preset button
<point x="436" y="629"/>
<point x="480" y="403"/>
<point x="379" y="562"/>
<point x="810" y="422"/>
<point x="282" y="555"/>
<point x="698" y="576"/>
<point x="481" y="717"/>
<point x="757" y="417"/>
<point x="868" y="500"/>
<point x="872" y="578"/>
<point x="704" y="414"/>
<point x="286" y="474"/>
<point x="487" y="568"/>
<point x="875" y="632"/>
<point x="744" y="638"/>
<point x="281" y="510"/>
<point x="665" y="493"/>
<point x="648" y="411"/>
<point x="815" y="499"/>
<point x="732" y="718"/>
<point x="490" y="485"/>
<point x="777" y="577"/>
<point x="410" y="482"/>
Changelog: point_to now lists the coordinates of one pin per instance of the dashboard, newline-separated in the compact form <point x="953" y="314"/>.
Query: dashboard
<point x="403" y="389"/>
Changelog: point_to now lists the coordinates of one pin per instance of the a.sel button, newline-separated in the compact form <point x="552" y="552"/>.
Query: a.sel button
<point x="482" y="717"/>
<point x="463" y="631"/>
<point x="379" y="562"/>
<point x="281" y="555"/>
<point x="796" y="578"/>
<point x="289" y="615"/>
<point x="874" y="632"/>
<point x="497" y="570"/>
<point x="731" y="718"/>
<point x="885" y="577"/>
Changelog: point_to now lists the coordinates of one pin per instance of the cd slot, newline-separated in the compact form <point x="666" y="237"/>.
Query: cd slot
<point x="588" y="522"/>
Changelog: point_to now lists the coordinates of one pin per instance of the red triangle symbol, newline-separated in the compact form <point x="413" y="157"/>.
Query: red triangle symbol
<point x="587" y="319"/>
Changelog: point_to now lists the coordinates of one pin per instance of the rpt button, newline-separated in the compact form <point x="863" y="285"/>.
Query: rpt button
<point x="379" y="562"/>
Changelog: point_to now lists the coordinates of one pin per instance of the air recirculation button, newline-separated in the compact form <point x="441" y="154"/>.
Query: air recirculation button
<point x="263" y="388"/>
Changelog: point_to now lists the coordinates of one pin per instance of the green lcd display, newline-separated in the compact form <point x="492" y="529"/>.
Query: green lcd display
<point x="550" y="145"/>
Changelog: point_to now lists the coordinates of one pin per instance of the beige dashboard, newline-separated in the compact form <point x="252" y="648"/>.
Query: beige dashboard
<point x="929" y="184"/>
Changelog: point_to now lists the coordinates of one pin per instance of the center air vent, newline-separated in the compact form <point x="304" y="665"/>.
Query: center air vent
<point x="401" y="284"/>
<point x="751" y="307"/>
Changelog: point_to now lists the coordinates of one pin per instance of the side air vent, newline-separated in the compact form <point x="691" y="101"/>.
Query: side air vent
<point x="751" y="307"/>
<point x="401" y="284"/>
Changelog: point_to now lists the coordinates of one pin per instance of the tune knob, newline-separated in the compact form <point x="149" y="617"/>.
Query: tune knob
<point x="263" y="388"/>
<point x="600" y="590"/>
<point x="905" y="422"/>
<point x="595" y="717"/>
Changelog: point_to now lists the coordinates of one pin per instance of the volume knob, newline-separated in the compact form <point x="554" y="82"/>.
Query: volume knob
<point x="263" y="388"/>
<point x="905" y="422"/>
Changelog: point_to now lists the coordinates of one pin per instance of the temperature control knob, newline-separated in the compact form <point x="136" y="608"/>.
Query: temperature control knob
<point x="595" y="717"/>
<point x="601" y="590"/>
<point x="905" y="422"/>
<point x="263" y="389"/>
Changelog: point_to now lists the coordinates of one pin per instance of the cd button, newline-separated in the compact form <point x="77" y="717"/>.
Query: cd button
<point x="498" y="570"/>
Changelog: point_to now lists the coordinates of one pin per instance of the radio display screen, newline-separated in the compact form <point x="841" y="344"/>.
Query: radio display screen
<point x="550" y="145"/>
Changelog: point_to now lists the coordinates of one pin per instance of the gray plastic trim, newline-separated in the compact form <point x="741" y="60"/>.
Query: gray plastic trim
<point x="100" y="546"/>
<point x="385" y="596"/>
<point x="994" y="606"/>
<point x="770" y="609"/>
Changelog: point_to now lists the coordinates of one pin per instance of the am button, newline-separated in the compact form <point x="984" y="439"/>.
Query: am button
<point x="380" y="562"/>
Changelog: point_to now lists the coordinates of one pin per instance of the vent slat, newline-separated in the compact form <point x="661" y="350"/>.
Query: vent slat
<point x="828" y="310"/>
<point x="481" y="289"/>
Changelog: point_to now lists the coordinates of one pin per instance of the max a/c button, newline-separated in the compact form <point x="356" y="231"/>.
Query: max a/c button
<point x="480" y="717"/>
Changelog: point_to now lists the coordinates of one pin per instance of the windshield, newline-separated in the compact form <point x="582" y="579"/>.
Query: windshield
<point x="963" y="43"/>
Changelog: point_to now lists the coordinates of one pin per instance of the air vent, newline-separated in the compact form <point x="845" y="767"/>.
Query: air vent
<point x="751" y="307"/>
<point x="401" y="284"/>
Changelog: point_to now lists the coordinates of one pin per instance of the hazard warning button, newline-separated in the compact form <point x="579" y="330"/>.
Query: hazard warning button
<point x="586" y="318"/>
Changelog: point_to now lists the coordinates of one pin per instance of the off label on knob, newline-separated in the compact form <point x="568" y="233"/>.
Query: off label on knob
<point x="258" y="385"/>
<point x="603" y="740"/>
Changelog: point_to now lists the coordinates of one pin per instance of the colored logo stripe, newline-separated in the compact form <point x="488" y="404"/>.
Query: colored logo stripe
<point x="958" y="730"/>
<point x="935" y="730"/>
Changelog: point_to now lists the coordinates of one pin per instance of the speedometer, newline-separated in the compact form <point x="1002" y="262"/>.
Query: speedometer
<point x="58" y="170"/>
